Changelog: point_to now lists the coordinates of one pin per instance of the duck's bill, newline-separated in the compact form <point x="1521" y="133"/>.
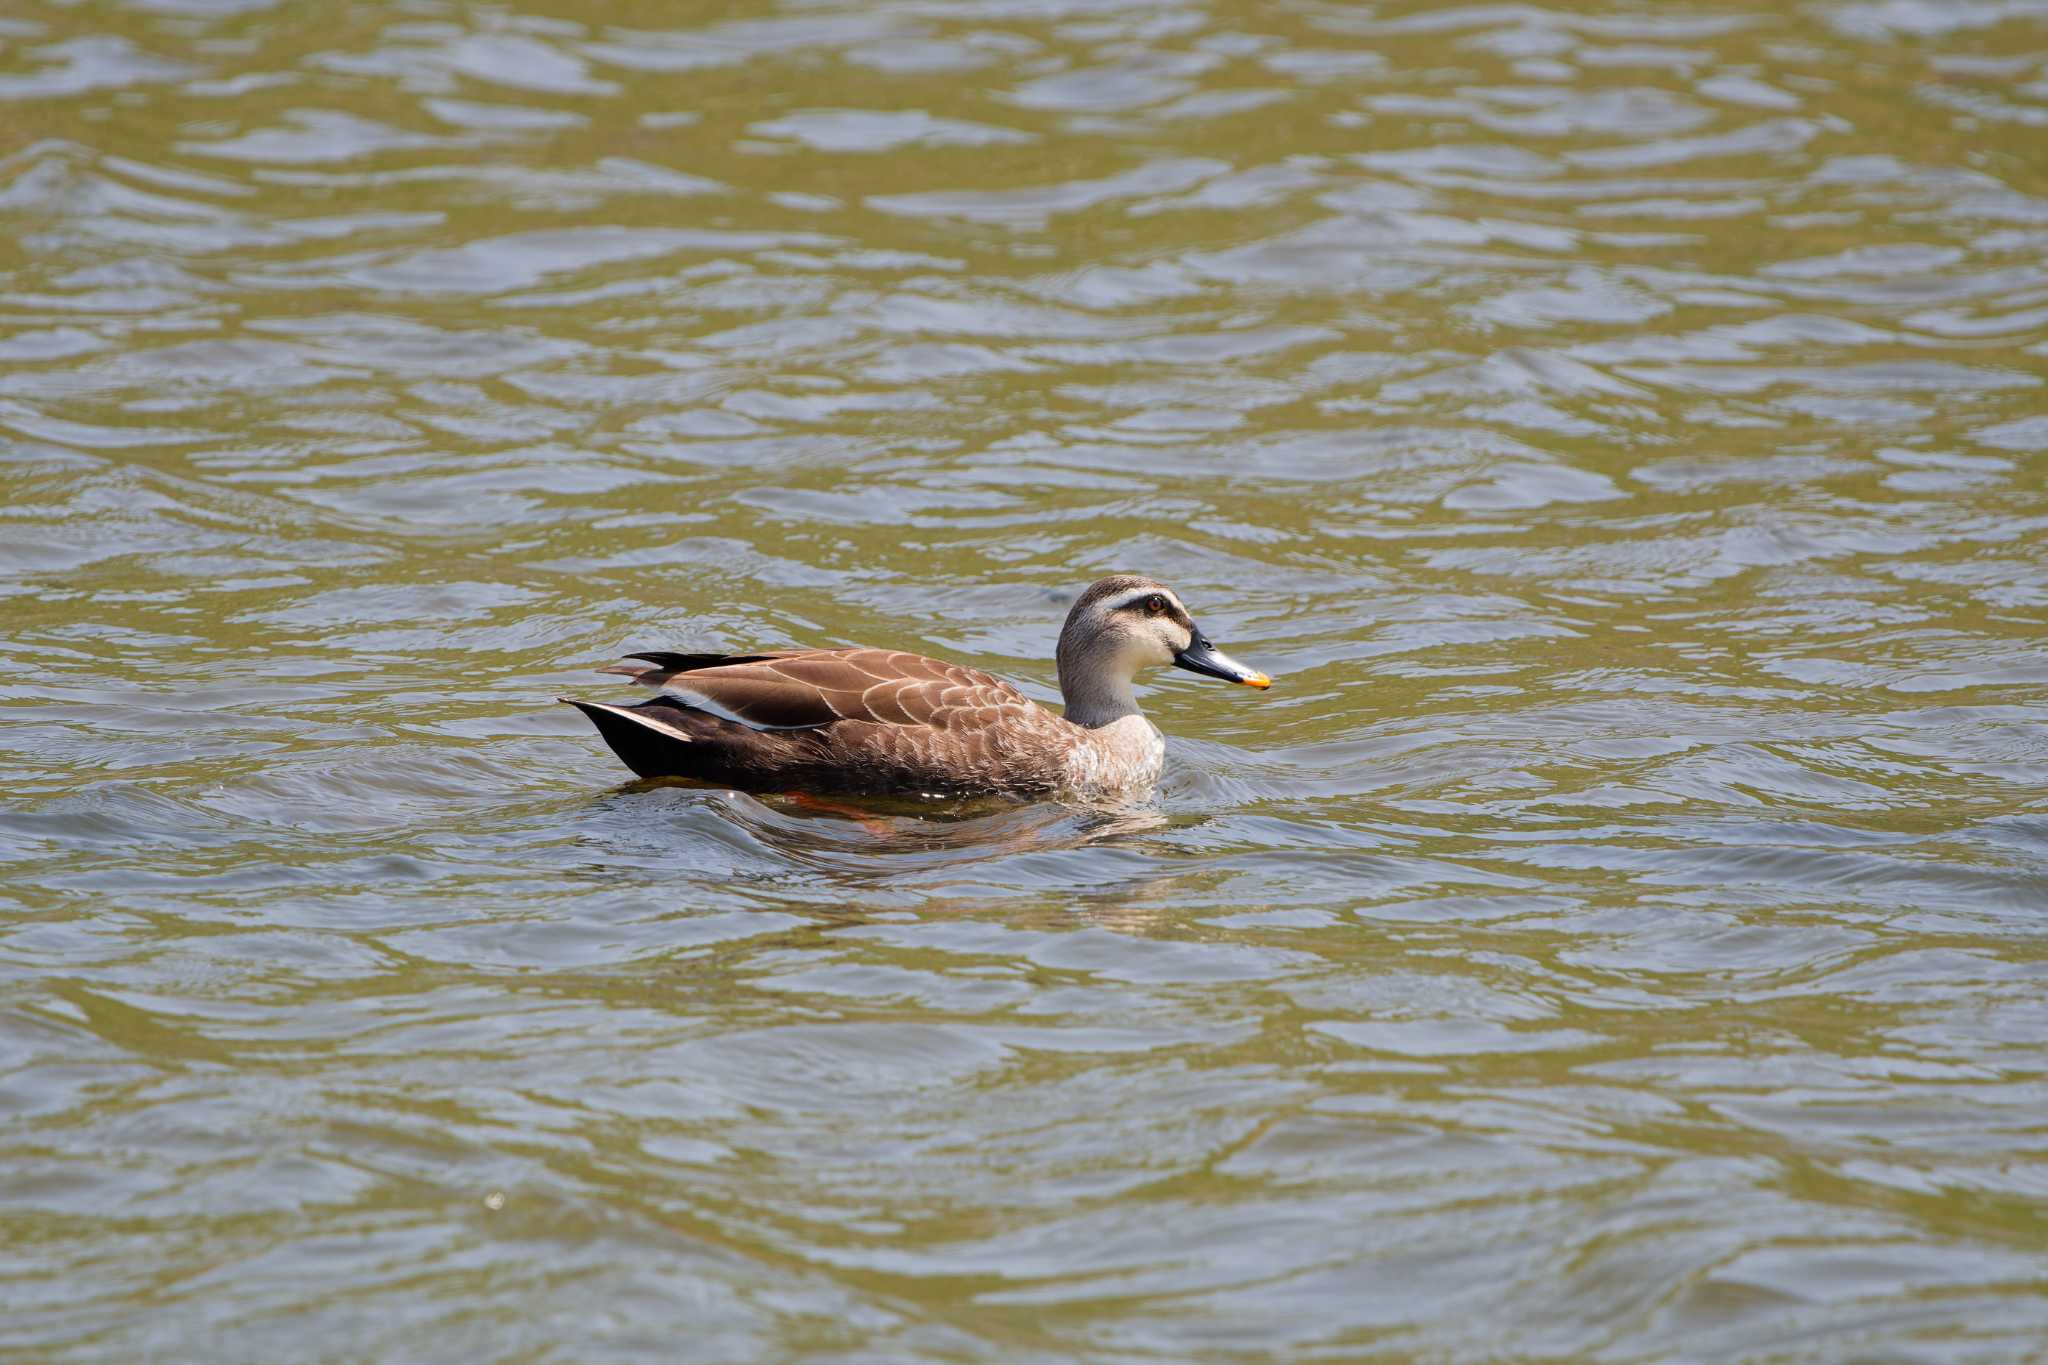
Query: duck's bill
<point x="1202" y="657"/>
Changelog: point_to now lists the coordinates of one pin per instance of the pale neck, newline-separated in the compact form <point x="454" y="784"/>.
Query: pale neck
<point x="1096" y="691"/>
<point x="1100" y="702"/>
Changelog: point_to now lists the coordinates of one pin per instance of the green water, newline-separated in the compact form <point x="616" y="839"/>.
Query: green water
<point x="1620" y="429"/>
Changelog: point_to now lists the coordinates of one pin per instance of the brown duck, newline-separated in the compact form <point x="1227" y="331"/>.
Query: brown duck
<point x="882" y="721"/>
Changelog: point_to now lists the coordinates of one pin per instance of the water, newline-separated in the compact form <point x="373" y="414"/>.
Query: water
<point x="1619" y="429"/>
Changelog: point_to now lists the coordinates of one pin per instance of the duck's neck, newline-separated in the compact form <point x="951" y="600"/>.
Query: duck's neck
<point x="1094" y="707"/>
<point x="1096" y="692"/>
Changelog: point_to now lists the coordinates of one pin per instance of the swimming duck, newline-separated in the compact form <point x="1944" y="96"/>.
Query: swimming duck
<point x="882" y="721"/>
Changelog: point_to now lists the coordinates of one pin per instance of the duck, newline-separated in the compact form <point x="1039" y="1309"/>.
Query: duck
<point x="886" y="722"/>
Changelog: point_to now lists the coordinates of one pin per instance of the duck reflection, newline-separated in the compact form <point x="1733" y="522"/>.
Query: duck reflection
<point x="894" y="828"/>
<point x="854" y="857"/>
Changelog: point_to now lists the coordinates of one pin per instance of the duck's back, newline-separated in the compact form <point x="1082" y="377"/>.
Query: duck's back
<point x="840" y="720"/>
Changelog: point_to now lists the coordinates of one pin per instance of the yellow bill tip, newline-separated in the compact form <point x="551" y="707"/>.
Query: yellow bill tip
<point x="1258" y="680"/>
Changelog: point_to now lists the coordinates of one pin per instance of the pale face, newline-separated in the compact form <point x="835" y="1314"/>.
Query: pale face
<point x="1146" y="627"/>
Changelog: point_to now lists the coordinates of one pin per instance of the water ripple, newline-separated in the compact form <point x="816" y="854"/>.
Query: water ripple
<point x="1616" y="935"/>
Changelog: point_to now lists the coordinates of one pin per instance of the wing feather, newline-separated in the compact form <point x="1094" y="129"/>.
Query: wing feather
<point x="805" y="689"/>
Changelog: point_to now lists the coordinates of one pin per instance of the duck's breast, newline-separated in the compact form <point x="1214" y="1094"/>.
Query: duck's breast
<point x="1121" y="756"/>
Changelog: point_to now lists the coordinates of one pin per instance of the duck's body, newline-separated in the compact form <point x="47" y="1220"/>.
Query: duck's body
<point x="879" y="721"/>
<point x="852" y="721"/>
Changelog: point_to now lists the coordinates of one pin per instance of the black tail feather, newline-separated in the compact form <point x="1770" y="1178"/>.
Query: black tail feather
<point x="689" y="663"/>
<point x="647" y="750"/>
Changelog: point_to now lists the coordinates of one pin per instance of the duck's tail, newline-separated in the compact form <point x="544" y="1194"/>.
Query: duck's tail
<point x="650" y="738"/>
<point x="656" y="668"/>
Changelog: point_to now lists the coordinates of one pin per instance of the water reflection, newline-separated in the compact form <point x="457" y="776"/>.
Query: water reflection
<point x="860" y="835"/>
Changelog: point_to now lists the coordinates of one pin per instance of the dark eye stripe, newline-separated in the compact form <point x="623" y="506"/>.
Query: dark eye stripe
<point x="1168" y="608"/>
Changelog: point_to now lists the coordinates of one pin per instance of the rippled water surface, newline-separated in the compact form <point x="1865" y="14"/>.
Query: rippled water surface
<point x="1620" y="427"/>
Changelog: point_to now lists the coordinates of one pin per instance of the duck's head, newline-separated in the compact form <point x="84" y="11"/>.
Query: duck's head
<point x="1124" y="623"/>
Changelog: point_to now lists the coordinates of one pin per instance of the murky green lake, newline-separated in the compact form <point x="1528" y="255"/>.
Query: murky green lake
<point x="1620" y="427"/>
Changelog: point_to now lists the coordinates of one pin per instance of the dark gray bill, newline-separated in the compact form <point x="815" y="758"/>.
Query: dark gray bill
<point x="1202" y="657"/>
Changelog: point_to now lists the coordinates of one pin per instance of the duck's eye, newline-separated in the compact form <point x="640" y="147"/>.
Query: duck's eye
<point x="1155" y="605"/>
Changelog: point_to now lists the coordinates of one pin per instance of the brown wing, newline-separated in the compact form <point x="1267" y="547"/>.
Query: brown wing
<point x="810" y="688"/>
